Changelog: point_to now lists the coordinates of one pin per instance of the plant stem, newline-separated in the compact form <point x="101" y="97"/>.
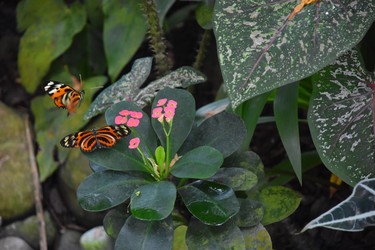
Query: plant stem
<point x="156" y="38"/>
<point x="201" y="53"/>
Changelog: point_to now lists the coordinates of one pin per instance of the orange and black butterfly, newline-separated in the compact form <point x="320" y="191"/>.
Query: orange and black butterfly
<point x="90" y="140"/>
<point x="64" y="96"/>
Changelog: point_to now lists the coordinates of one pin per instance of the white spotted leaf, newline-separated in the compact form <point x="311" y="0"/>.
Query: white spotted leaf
<point x="262" y="47"/>
<point x="353" y="214"/>
<point x="341" y="118"/>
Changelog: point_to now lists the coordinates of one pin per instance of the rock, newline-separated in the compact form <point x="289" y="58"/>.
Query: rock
<point x="16" y="187"/>
<point x="69" y="240"/>
<point x="96" y="239"/>
<point x="28" y="230"/>
<point x="13" y="243"/>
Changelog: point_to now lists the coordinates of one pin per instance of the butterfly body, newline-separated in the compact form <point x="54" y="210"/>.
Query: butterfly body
<point x="64" y="96"/>
<point x="90" y="140"/>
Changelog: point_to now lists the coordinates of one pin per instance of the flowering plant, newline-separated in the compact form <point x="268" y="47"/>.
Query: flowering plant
<point x="170" y="172"/>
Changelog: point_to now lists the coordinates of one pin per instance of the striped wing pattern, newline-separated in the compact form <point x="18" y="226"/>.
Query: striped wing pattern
<point x="90" y="140"/>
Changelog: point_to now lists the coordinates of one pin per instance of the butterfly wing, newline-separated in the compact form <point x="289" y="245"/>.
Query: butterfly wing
<point x="75" y="140"/>
<point x="64" y="96"/>
<point x="107" y="136"/>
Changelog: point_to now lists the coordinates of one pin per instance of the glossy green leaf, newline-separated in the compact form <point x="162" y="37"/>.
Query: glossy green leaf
<point x="46" y="39"/>
<point x="210" y="202"/>
<point x="285" y="108"/>
<point x="124" y="31"/>
<point x="154" y="201"/>
<point x="106" y="189"/>
<point x="341" y="118"/>
<point x="95" y="13"/>
<point x="126" y="88"/>
<point x="201" y="236"/>
<point x="145" y="235"/>
<point x="160" y="156"/>
<point x="260" y="49"/>
<point x="52" y="124"/>
<point x="204" y="14"/>
<point x="199" y="163"/>
<point x="257" y="238"/>
<point x="114" y="220"/>
<point x="250" y="214"/>
<point x="162" y="7"/>
<point x="224" y="131"/>
<point x="182" y="121"/>
<point x="239" y="179"/>
<point x="179" y="238"/>
<point x="278" y="203"/>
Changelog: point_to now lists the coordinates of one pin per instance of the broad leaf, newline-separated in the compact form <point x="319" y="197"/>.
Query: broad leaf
<point x="182" y="121"/>
<point x="125" y="89"/>
<point x="224" y="131"/>
<point x="106" y="189"/>
<point x="341" y="118"/>
<point x="114" y="220"/>
<point x="257" y="238"/>
<point x="124" y="31"/>
<point x="278" y="203"/>
<point x="201" y="236"/>
<point x="144" y="235"/>
<point x="285" y="107"/>
<point x="239" y="179"/>
<point x="250" y="214"/>
<point x="261" y="46"/>
<point x="46" y="38"/>
<point x="353" y="214"/>
<point x="210" y="202"/>
<point x="199" y="163"/>
<point x="154" y="201"/>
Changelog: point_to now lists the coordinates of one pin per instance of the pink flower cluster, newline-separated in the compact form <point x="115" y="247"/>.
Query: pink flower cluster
<point x="131" y="119"/>
<point x="165" y="109"/>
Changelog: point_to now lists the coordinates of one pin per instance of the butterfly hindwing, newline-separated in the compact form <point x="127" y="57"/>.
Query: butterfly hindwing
<point x="90" y="140"/>
<point x="64" y="96"/>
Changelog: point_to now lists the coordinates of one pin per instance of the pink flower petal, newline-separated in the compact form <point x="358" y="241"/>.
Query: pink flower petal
<point x="172" y="103"/>
<point x="124" y="112"/>
<point x="169" y="112"/>
<point x="161" y="102"/>
<point x="133" y="122"/>
<point x="120" y="119"/>
<point x="135" y="114"/>
<point x="134" y="143"/>
<point x="156" y="112"/>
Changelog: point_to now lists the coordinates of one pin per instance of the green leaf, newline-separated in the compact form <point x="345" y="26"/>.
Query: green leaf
<point x="180" y="78"/>
<point x="250" y="214"/>
<point x="249" y="112"/>
<point x="162" y="7"/>
<point x="144" y="235"/>
<point x="238" y="179"/>
<point x="247" y="160"/>
<point x="285" y="108"/>
<point x="160" y="156"/>
<point x="278" y="203"/>
<point x="179" y="238"/>
<point x="182" y="121"/>
<point x="341" y="118"/>
<point x="124" y="31"/>
<point x="224" y="131"/>
<point x="114" y="220"/>
<point x="282" y="173"/>
<point x="154" y="201"/>
<point x="47" y="39"/>
<point x="204" y="14"/>
<point x="199" y="163"/>
<point x="126" y="88"/>
<point x="260" y="49"/>
<point x="106" y="189"/>
<point x="143" y="131"/>
<point x="52" y="124"/>
<point x="210" y="202"/>
<point x="201" y="236"/>
<point x="257" y="238"/>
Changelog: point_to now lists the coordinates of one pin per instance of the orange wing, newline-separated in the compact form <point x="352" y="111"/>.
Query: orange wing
<point x="64" y="96"/>
<point x="90" y="140"/>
